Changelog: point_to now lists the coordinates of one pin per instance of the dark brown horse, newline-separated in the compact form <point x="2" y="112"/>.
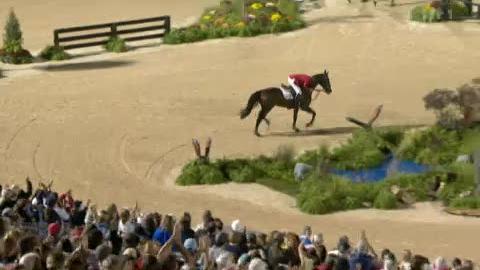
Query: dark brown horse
<point x="268" y="98"/>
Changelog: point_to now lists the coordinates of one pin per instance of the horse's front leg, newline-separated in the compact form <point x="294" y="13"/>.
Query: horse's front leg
<point x="313" y="113"/>
<point x="295" y="115"/>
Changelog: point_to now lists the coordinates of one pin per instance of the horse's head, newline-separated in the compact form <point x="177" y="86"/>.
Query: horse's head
<point x="324" y="81"/>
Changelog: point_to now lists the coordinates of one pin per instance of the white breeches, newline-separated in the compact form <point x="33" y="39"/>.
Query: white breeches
<point x="295" y="87"/>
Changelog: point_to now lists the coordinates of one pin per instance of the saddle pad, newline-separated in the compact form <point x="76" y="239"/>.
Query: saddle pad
<point x="286" y="93"/>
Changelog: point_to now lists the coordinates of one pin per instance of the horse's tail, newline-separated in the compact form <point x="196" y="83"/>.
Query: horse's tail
<point x="252" y="102"/>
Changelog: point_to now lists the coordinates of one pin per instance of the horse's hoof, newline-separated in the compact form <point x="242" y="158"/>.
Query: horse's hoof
<point x="296" y="130"/>
<point x="257" y="134"/>
<point x="308" y="125"/>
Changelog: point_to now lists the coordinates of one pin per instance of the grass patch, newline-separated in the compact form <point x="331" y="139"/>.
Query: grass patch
<point x="54" y="53"/>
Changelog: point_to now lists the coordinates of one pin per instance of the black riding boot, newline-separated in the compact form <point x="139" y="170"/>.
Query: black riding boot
<point x="297" y="100"/>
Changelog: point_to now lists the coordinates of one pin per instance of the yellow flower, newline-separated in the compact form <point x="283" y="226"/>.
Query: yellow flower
<point x="257" y="6"/>
<point x="240" y="25"/>
<point x="275" y="17"/>
<point x="207" y="17"/>
<point x="427" y="8"/>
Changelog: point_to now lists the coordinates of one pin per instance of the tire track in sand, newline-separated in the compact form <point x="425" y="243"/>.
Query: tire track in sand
<point x="15" y="135"/>
<point x="34" y="162"/>
<point x="12" y="139"/>
<point x="152" y="166"/>
<point x="122" y="150"/>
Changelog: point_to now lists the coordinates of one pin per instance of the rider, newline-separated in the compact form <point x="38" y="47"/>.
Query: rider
<point x="302" y="81"/>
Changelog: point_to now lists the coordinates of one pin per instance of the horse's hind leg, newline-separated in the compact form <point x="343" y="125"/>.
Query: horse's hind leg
<point x="267" y="121"/>
<point x="261" y="116"/>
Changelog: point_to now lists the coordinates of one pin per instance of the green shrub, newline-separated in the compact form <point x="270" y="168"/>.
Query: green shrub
<point x="289" y="8"/>
<point x="196" y="173"/>
<point x="471" y="202"/>
<point x="424" y="13"/>
<point x="459" y="10"/>
<point x="191" y="175"/>
<point x="211" y="175"/>
<point x="464" y="183"/>
<point x="54" y="53"/>
<point x="361" y="151"/>
<point x="416" y="14"/>
<point x="385" y="200"/>
<point x="389" y="138"/>
<point x="243" y="175"/>
<point x="12" y="51"/>
<point x="434" y="146"/>
<point x="239" y="170"/>
<point x="314" y="157"/>
<point x="330" y="194"/>
<point x="116" y="44"/>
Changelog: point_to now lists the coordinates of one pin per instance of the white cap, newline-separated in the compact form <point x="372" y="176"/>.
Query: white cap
<point x="236" y="226"/>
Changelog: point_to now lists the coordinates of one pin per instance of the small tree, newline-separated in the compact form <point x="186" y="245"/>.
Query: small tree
<point x="12" y="39"/>
<point x="444" y="103"/>
<point x="469" y="101"/>
<point x="12" y="51"/>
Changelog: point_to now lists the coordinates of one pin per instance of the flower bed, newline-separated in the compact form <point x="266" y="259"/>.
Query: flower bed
<point x="432" y="12"/>
<point x="426" y="13"/>
<point x="244" y="18"/>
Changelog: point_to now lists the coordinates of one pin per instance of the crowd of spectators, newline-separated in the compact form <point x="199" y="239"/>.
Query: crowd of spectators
<point x="42" y="229"/>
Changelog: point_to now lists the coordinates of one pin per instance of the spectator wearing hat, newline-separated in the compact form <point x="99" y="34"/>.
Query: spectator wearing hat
<point x="54" y="230"/>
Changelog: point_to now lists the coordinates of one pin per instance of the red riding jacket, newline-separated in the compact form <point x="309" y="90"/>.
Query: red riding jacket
<point x="302" y="80"/>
